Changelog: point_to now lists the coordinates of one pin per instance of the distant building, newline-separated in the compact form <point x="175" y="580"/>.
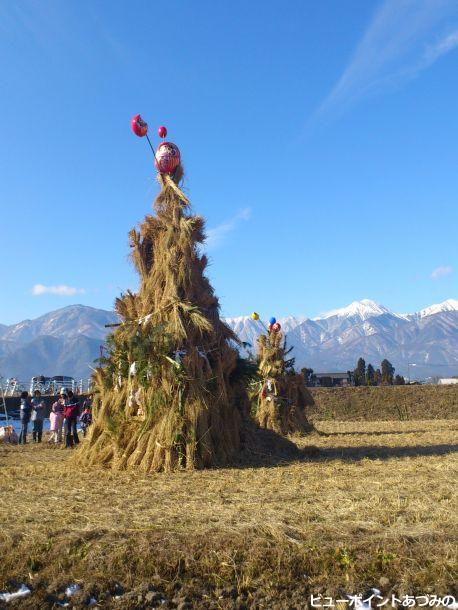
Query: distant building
<point x="332" y="380"/>
<point x="449" y="381"/>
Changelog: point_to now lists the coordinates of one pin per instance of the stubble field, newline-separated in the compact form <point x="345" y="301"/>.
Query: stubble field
<point x="375" y="506"/>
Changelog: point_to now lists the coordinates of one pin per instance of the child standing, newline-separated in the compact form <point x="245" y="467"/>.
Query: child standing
<point x="25" y="412"/>
<point x="71" y="413"/>
<point x="38" y="413"/>
<point x="86" y="418"/>
<point x="56" y="418"/>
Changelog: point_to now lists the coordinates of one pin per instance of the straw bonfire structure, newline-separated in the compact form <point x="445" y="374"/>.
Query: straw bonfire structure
<point x="166" y="397"/>
<point x="282" y="396"/>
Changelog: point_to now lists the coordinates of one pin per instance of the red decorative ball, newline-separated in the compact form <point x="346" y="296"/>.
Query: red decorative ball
<point x="167" y="158"/>
<point x="139" y="127"/>
<point x="162" y="131"/>
<point x="276" y="327"/>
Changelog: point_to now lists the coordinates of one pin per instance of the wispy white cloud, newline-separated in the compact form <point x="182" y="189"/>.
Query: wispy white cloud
<point x="403" y="38"/>
<point x="441" y="272"/>
<point x="47" y="25"/>
<point x="217" y="235"/>
<point x="439" y="48"/>
<point x="62" y="290"/>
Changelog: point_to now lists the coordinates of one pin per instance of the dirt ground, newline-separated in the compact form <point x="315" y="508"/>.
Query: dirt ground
<point x="374" y="507"/>
<point x="388" y="403"/>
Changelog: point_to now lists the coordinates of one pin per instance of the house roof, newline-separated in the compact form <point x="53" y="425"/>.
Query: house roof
<point x="333" y="375"/>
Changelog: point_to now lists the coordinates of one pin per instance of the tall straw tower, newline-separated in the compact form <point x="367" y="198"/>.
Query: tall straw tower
<point x="167" y="395"/>
<point x="282" y="395"/>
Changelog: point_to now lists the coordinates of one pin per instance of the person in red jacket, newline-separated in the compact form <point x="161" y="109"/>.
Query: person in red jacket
<point x="71" y="413"/>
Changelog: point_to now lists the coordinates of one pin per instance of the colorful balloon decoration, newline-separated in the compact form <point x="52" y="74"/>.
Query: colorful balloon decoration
<point x="272" y="320"/>
<point x="139" y="126"/>
<point x="167" y="158"/>
<point x="255" y="316"/>
<point x="276" y="327"/>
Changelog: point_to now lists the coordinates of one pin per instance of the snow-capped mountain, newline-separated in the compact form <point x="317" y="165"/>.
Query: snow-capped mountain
<point x="246" y="329"/>
<point x="448" y="305"/>
<point x="358" y="309"/>
<point x="63" y="342"/>
<point x="336" y="339"/>
<point x="66" y="341"/>
<point x="64" y="323"/>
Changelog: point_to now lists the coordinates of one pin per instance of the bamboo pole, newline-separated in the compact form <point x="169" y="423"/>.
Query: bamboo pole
<point x="3" y="400"/>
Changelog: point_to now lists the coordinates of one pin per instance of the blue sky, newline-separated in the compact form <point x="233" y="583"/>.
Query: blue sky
<point x="319" y="141"/>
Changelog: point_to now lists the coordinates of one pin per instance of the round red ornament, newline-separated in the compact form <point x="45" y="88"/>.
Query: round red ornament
<point x="139" y="126"/>
<point x="167" y="158"/>
<point x="276" y="327"/>
<point x="162" y="131"/>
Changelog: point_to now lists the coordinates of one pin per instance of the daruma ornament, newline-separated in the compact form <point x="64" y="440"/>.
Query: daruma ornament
<point x="276" y="327"/>
<point x="162" y="131"/>
<point x="139" y="126"/>
<point x="167" y="158"/>
<point x="255" y="316"/>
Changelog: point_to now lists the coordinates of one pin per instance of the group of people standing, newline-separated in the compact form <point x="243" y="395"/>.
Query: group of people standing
<point x="63" y="418"/>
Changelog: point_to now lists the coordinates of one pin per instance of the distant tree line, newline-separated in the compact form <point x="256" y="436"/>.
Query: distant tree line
<point x="363" y="375"/>
<point x="368" y="375"/>
<point x="309" y="376"/>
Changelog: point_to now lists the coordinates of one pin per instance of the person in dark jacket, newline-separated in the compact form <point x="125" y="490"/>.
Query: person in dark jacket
<point x="71" y="413"/>
<point x="87" y="403"/>
<point x="25" y="412"/>
<point x="86" y="417"/>
<point x="38" y="414"/>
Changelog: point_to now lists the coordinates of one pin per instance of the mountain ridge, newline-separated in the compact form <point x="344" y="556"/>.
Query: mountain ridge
<point x="67" y="340"/>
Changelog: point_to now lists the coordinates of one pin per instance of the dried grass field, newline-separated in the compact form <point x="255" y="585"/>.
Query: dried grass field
<point x="374" y="506"/>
